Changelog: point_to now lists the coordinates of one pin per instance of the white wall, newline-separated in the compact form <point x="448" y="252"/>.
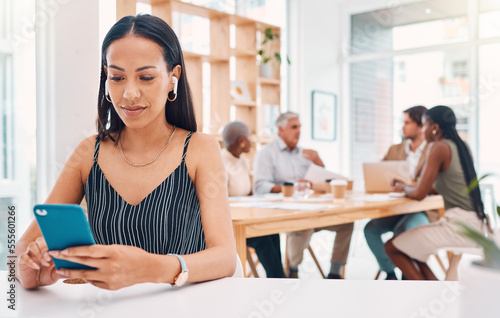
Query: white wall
<point x="315" y="34"/>
<point x="67" y="83"/>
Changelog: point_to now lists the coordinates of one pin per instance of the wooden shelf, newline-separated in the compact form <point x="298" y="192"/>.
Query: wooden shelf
<point x="244" y="53"/>
<point x="249" y="103"/>
<point x="269" y="81"/>
<point x="204" y="12"/>
<point x="204" y="57"/>
<point x="189" y="8"/>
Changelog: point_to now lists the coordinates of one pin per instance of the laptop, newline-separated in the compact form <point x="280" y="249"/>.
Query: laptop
<point x="378" y="175"/>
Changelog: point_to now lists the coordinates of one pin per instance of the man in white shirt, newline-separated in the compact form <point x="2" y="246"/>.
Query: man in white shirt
<point x="283" y="161"/>
<point x="413" y="150"/>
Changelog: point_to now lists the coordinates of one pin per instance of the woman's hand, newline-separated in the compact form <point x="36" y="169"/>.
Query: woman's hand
<point x="35" y="266"/>
<point x="117" y="266"/>
<point x="397" y="185"/>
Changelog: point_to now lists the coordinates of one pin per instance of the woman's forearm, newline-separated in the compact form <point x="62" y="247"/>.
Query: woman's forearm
<point x="414" y="192"/>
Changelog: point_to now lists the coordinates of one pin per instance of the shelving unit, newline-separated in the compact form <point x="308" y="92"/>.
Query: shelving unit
<point x="221" y="58"/>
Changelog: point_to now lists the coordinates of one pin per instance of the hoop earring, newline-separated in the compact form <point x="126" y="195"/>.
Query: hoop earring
<point x="175" y="82"/>
<point x="106" y="93"/>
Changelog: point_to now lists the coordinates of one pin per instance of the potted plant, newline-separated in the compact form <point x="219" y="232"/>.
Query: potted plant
<point x="481" y="279"/>
<point x="268" y="52"/>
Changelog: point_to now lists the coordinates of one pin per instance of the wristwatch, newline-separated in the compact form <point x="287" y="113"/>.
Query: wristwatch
<point x="182" y="277"/>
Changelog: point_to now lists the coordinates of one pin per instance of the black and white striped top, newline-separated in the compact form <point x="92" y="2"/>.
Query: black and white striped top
<point x="166" y="221"/>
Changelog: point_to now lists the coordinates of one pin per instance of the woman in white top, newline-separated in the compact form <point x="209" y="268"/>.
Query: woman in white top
<point x="236" y="136"/>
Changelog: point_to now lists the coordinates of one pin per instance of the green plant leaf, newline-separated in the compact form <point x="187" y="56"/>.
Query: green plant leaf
<point x="475" y="183"/>
<point x="288" y="60"/>
<point x="490" y="249"/>
<point x="278" y="57"/>
<point x="498" y="210"/>
<point x="266" y="52"/>
<point x="268" y="34"/>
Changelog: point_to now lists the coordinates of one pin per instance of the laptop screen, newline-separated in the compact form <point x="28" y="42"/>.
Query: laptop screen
<point x="379" y="175"/>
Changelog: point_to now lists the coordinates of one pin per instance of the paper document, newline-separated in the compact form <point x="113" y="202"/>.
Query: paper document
<point x="312" y="200"/>
<point x="257" y="198"/>
<point x="317" y="174"/>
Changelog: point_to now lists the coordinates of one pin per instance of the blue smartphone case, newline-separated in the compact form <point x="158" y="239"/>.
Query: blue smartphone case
<point x="63" y="226"/>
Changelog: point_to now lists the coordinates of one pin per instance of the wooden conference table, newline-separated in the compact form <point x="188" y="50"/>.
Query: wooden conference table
<point x="252" y="219"/>
<point x="241" y="298"/>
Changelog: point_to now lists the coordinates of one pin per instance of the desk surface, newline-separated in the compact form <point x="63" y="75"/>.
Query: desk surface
<point x="244" y="297"/>
<point x="254" y="221"/>
<point x="352" y="208"/>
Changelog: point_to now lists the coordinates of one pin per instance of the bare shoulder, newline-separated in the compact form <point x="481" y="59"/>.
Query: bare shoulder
<point x="202" y="145"/>
<point x="83" y="153"/>
<point x="83" y="156"/>
<point x="439" y="153"/>
<point x="87" y="144"/>
<point x="439" y="147"/>
<point x="203" y="155"/>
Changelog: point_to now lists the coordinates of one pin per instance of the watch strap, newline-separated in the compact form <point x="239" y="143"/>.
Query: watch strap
<point x="183" y="264"/>
<point x="180" y="278"/>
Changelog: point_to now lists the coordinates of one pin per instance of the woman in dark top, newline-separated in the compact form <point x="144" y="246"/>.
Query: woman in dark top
<point x="156" y="191"/>
<point x="449" y="169"/>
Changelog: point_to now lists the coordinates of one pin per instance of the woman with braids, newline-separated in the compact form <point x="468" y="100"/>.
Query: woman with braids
<point x="449" y="169"/>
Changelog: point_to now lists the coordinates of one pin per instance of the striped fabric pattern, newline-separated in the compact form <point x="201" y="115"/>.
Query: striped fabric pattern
<point x="167" y="221"/>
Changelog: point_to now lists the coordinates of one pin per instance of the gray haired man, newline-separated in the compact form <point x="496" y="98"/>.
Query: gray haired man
<point x="283" y="161"/>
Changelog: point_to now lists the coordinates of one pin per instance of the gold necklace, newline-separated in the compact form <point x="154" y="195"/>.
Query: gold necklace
<point x="149" y="162"/>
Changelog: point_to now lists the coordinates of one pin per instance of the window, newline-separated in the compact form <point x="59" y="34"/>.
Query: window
<point x="228" y="6"/>
<point x="6" y="119"/>
<point x="419" y="24"/>
<point x="401" y="72"/>
<point x="436" y="32"/>
<point x="432" y="78"/>
<point x="460" y="69"/>
<point x="17" y="115"/>
<point x="489" y="18"/>
<point x="420" y="54"/>
<point x="489" y="112"/>
<point x="371" y="109"/>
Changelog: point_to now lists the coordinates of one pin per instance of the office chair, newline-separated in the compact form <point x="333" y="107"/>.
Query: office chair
<point x="252" y="261"/>
<point x="455" y="253"/>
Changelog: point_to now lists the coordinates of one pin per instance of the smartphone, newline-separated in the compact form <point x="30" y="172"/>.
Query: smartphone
<point x="63" y="226"/>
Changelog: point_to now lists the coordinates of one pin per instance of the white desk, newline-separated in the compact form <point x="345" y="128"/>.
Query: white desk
<point x="243" y="298"/>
